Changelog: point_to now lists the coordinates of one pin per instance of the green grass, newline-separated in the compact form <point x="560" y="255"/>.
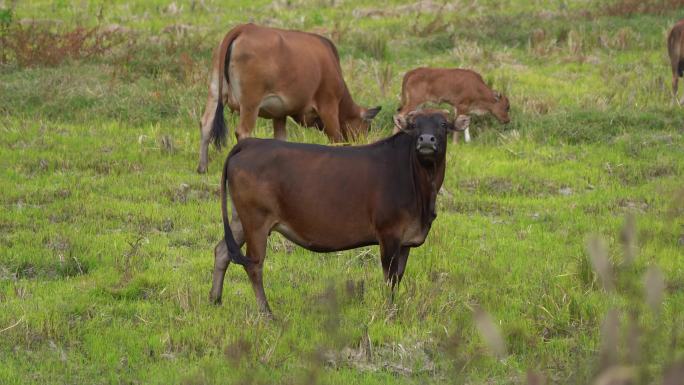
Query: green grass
<point x="107" y="236"/>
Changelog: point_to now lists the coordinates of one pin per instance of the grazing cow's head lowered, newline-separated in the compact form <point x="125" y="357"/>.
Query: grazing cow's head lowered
<point x="465" y="90"/>
<point x="429" y="129"/>
<point x="501" y="108"/>
<point x="359" y="124"/>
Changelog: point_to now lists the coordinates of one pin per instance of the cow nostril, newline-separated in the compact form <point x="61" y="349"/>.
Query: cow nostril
<point x="432" y="139"/>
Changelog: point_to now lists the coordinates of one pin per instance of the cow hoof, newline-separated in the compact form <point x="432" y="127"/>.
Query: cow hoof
<point x="267" y="315"/>
<point x="201" y="169"/>
<point x="215" y="300"/>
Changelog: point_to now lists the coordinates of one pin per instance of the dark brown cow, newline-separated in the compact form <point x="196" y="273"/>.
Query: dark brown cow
<point x="275" y="73"/>
<point x="675" y="47"/>
<point x="327" y="198"/>
<point x="463" y="89"/>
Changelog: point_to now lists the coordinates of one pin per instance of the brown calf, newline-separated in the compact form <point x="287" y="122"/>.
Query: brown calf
<point x="333" y="198"/>
<point x="275" y="73"/>
<point x="463" y="89"/>
<point x="675" y="47"/>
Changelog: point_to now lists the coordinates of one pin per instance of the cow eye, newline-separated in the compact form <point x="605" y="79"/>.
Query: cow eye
<point x="444" y="125"/>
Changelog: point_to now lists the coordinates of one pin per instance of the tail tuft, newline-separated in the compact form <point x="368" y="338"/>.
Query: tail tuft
<point x="218" y="127"/>
<point x="233" y="248"/>
<point x="240" y="259"/>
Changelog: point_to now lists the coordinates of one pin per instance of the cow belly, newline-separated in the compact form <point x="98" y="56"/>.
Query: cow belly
<point x="273" y="106"/>
<point x="314" y="243"/>
<point x="478" y="111"/>
<point x="290" y="234"/>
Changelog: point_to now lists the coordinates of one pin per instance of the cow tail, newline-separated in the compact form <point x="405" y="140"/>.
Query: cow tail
<point x="218" y="127"/>
<point x="234" y="252"/>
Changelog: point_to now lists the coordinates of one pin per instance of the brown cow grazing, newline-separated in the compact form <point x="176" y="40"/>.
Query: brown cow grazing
<point x="462" y="89"/>
<point x="675" y="47"/>
<point x="275" y="73"/>
<point x="329" y="198"/>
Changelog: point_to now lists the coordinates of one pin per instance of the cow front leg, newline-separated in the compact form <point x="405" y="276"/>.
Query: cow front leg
<point x="401" y="263"/>
<point x="466" y="134"/>
<point x="393" y="257"/>
<point x="466" y="130"/>
<point x="397" y="264"/>
<point x="331" y="123"/>
<point x="221" y="262"/>
<point x="279" y="130"/>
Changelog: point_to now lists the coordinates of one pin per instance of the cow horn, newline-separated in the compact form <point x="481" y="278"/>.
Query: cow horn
<point x="497" y="96"/>
<point x="399" y="121"/>
<point x="403" y="122"/>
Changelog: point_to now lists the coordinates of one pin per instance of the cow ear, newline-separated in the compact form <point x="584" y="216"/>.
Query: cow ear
<point x="370" y="113"/>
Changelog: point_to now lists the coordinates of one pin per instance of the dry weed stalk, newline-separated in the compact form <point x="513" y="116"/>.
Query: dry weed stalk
<point x="639" y="338"/>
<point x="36" y="44"/>
<point x="598" y="252"/>
<point x="654" y="287"/>
<point x="628" y="238"/>
<point x="490" y="332"/>
<point x="384" y="78"/>
<point x="632" y="7"/>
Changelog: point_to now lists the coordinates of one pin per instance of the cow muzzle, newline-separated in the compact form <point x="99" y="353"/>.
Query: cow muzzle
<point x="427" y="144"/>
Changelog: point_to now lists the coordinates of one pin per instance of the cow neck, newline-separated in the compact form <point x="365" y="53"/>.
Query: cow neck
<point x="348" y="109"/>
<point x="427" y="180"/>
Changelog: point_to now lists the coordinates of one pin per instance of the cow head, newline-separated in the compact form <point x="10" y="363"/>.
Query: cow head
<point x="429" y="130"/>
<point x="360" y="122"/>
<point x="501" y="107"/>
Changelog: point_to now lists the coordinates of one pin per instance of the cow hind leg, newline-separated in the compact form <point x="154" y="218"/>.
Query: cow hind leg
<point x="207" y="121"/>
<point x="256" y="253"/>
<point x="249" y="112"/>
<point x="205" y="132"/>
<point x="236" y="227"/>
<point x="221" y="262"/>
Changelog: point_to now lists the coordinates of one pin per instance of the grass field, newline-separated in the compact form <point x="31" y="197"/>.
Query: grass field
<point x="107" y="232"/>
